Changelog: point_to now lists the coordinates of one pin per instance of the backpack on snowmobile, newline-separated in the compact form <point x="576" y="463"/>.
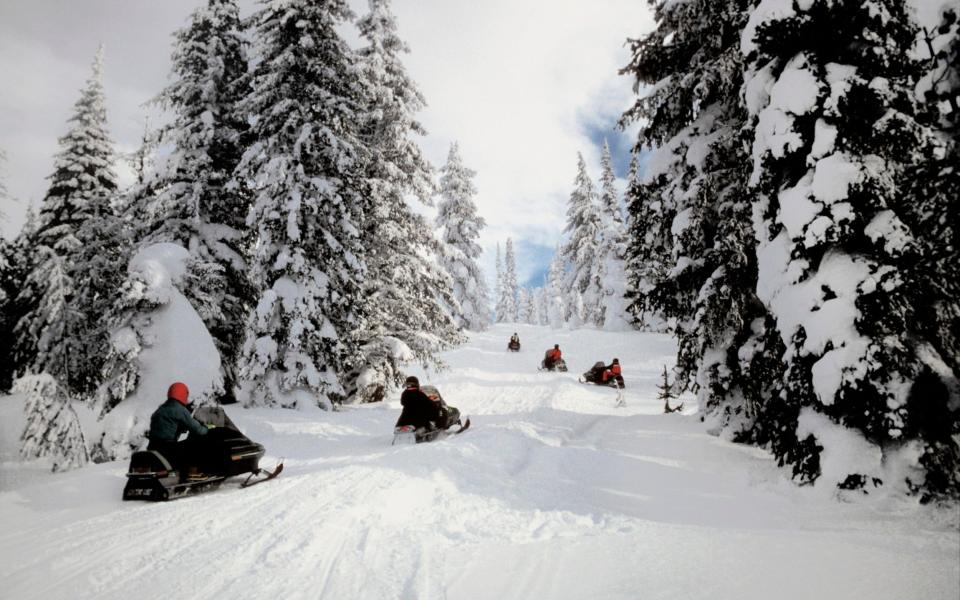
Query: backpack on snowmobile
<point x="227" y="452"/>
<point x="449" y="416"/>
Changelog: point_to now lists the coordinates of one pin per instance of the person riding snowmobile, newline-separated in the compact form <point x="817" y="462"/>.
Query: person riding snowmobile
<point x="418" y="409"/>
<point x="612" y="372"/>
<point x="603" y="374"/>
<point x="170" y="420"/>
<point x="552" y="357"/>
<point x="514" y="343"/>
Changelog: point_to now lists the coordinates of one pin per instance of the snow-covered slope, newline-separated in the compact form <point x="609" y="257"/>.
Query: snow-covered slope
<point x="553" y="493"/>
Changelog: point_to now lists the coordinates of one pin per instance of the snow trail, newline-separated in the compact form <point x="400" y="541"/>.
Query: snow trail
<point x="553" y="493"/>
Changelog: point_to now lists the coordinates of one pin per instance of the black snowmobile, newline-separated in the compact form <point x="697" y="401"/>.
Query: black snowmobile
<point x="151" y="476"/>
<point x="595" y="376"/>
<point x="513" y="345"/>
<point x="449" y="416"/>
<point x="558" y="365"/>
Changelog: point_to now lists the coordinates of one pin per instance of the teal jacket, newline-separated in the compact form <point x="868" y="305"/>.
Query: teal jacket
<point x="172" y="419"/>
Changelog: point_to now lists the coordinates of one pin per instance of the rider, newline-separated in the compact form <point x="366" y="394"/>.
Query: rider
<point x="551" y="357"/>
<point x="170" y="420"/>
<point x="613" y="371"/>
<point x="514" y="340"/>
<point x="418" y="409"/>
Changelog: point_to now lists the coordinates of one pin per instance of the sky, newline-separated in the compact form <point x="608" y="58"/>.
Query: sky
<point x="522" y="85"/>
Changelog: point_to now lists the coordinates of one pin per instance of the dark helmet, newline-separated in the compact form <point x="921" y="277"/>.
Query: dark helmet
<point x="413" y="382"/>
<point x="616" y="361"/>
<point x="556" y="346"/>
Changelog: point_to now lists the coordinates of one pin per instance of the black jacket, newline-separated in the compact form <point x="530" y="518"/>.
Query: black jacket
<point x="418" y="409"/>
<point x="172" y="419"/>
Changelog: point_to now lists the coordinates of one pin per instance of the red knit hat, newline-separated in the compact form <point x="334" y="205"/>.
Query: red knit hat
<point x="179" y="392"/>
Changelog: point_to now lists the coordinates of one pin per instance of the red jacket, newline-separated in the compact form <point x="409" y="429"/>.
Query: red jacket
<point x="553" y="354"/>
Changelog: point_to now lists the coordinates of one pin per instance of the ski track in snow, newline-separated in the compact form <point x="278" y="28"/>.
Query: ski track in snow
<point x="552" y="493"/>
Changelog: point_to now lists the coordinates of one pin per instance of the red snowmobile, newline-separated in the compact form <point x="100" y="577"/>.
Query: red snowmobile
<point x="151" y="476"/>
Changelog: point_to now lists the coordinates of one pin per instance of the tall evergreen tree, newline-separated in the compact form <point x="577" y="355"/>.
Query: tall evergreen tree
<point x="460" y="226"/>
<point x="555" y="292"/>
<point x="584" y="225"/>
<point x="507" y="303"/>
<point x="498" y="285"/>
<point x="527" y="312"/>
<point x="691" y="254"/>
<point x="306" y="167"/>
<point x="836" y="134"/>
<point x="410" y="303"/>
<point x="199" y="203"/>
<point x="523" y="306"/>
<point x="59" y="321"/>
<point x="609" y="272"/>
<point x="933" y="188"/>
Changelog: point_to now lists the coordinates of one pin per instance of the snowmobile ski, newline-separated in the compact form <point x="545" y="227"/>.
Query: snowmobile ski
<point x="266" y="474"/>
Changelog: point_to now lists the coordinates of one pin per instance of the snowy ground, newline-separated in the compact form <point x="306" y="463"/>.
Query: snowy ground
<point x="553" y="493"/>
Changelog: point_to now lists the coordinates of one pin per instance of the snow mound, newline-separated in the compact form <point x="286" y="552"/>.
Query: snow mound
<point x="172" y="342"/>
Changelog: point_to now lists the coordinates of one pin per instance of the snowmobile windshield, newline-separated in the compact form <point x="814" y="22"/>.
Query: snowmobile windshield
<point x="432" y="392"/>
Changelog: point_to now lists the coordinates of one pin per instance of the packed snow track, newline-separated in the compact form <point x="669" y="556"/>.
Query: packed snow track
<point x="553" y="493"/>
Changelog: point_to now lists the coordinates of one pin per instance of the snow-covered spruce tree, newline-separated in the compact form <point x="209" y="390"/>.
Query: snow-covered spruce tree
<point x="933" y="190"/>
<point x="524" y="307"/>
<point x="610" y="274"/>
<point x="540" y="299"/>
<point x="529" y="307"/>
<point x="61" y="322"/>
<point x="584" y="224"/>
<point x="498" y="286"/>
<point x="199" y="203"/>
<point x="306" y="170"/>
<point x="16" y="256"/>
<point x="691" y="256"/>
<point x="835" y="134"/>
<point x="7" y="285"/>
<point x="408" y="295"/>
<point x="555" y="293"/>
<point x="52" y="431"/>
<point x="507" y="303"/>
<point x="459" y="226"/>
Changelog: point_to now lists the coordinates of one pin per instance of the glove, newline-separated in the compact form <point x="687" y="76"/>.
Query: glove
<point x="211" y="426"/>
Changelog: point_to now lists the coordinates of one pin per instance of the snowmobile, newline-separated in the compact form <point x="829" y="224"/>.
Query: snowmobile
<point x="151" y="476"/>
<point x="513" y="346"/>
<point x="595" y="376"/>
<point x="449" y="416"/>
<point x="558" y="365"/>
